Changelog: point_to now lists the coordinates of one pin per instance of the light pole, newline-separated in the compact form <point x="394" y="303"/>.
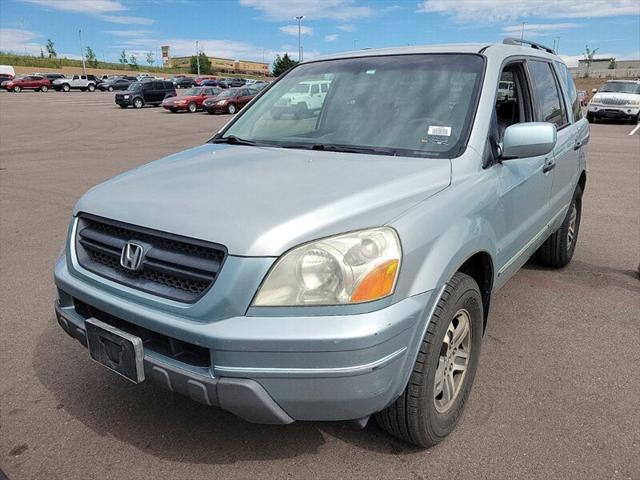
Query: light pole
<point x="299" y="18"/>
<point x="84" y="67"/>
<point x="522" y="33"/>
<point x="198" y="57"/>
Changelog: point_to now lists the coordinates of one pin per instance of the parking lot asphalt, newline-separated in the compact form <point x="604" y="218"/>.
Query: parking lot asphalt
<point x="556" y="394"/>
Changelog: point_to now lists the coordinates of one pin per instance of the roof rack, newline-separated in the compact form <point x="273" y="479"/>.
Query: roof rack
<point x="517" y="41"/>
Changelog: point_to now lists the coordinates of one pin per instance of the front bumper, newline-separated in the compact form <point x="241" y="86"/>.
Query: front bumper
<point x="215" y="108"/>
<point x="269" y="368"/>
<point x="615" y="112"/>
<point x="174" y="107"/>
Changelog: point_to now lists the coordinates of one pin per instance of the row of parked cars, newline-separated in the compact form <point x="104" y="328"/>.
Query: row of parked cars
<point x="45" y="81"/>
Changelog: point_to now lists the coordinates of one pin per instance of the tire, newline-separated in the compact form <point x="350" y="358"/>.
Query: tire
<point x="231" y="109"/>
<point x="138" y="103"/>
<point x="66" y="87"/>
<point x="44" y="89"/>
<point x="123" y="106"/>
<point x="17" y="88"/>
<point x="110" y="89"/>
<point x="590" y="118"/>
<point x="419" y="416"/>
<point x="91" y="87"/>
<point x="192" y="107"/>
<point x="557" y="250"/>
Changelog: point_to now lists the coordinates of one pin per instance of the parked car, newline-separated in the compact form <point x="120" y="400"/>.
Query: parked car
<point x="51" y="76"/>
<point x="199" y="80"/>
<point x="616" y="99"/>
<point x="114" y="84"/>
<point x="150" y="92"/>
<point x="7" y="70"/>
<point x="214" y="83"/>
<point x="76" y="82"/>
<point x="235" y="82"/>
<point x="583" y="97"/>
<point x="229" y="101"/>
<point x="258" y="85"/>
<point x="192" y="99"/>
<point x="338" y="267"/>
<point x="4" y="79"/>
<point x="306" y="98"/>
<point x="183" y="82"/>
<point x="28" y="82"/>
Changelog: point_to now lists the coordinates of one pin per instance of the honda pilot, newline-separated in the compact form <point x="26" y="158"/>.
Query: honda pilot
<point x="342" y="265"/>
<point x="146" y="92"/>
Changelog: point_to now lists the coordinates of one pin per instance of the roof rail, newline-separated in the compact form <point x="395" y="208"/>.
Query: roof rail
<point x="517" y="41"/>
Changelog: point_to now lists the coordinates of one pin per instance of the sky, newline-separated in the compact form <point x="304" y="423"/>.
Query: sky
<point x="260" y="29"/>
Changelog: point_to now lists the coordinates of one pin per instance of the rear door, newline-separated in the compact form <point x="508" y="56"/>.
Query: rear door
<point x="552" y="108"/>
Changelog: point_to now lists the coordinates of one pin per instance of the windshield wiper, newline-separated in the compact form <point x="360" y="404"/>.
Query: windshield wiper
<point x="233" y="140"/>
<point x="353" y="149"/>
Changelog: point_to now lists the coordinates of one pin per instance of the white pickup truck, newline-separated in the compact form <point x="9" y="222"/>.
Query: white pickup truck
<point x="77" y="82"/>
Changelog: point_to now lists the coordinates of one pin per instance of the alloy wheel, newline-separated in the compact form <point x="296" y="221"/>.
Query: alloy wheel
<point x="573" y="220"/>
<point x="454" y="359"/>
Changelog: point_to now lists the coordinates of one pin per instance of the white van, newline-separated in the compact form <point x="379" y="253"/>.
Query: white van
<point x="7" y="70"/>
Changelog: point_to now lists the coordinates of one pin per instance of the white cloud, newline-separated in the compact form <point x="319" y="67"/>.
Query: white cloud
<point x="102" y="9"/>
<point x="331" y="38"/>
<point x="312" y="9"/>
<point x="349" y="27"/>
<point x="93" y="7"/>
<point x="500" y="10"/>
<point x="129" y="33"/>
<point x="293" y="30"/>
<point x="533" y="29"/>
<point x="20" y="41"/>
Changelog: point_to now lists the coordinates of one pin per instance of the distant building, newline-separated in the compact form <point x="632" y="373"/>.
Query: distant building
<point x="221" y="65"/>
<point x="608" y="67"/>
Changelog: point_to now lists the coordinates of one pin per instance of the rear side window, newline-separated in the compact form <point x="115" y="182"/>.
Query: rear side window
<point x="548" y="97"/>
<point x="570" y="87"/>
<point x="168" y="86"/>
<point x="158" y="85"/>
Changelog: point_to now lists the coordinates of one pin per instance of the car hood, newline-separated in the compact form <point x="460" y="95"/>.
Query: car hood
<point x="260" y="201"/>
<point x="598" y="97"/>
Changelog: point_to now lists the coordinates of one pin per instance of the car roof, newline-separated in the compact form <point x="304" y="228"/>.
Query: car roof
<point x="489" y="49"/>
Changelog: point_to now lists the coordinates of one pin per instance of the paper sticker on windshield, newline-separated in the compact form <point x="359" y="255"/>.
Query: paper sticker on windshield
<point x="439" y="131"/>
<point x="437" y="134"/>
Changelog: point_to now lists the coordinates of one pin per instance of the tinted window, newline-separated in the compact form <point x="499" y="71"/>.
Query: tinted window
<point x="158" y="85"/>
<point x="570" y="87"/>
<point x="315" y="89"/>
<point x="548" y="99"/>
<point x="168" y="85"/>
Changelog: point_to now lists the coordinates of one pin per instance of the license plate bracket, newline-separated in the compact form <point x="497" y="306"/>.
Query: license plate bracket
<point x="115" y="349"/>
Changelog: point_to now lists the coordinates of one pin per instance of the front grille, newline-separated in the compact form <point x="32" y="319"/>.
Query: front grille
<point x="188" y="353"/>
<point x="174" y="267"/>
<point x="613" y="101"/>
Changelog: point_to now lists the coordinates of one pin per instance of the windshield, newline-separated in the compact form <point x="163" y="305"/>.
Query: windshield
<point x="192" y="91"/>
<point x="415" y="105"/>
<point x="620" y="87"/>
<point x="228" y="93"/>
<point x="135" y="86"/>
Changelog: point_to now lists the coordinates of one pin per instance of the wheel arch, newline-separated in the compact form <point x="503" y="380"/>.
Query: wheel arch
<point x="480" y="267"/>
<point x="582" y="181"/>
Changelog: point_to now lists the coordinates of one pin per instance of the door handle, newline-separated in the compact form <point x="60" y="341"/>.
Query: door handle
<point x="577" y="145"/>
<point x="548" y="167"/>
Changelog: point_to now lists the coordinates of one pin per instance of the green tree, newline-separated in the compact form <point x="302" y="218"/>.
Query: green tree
<point x="282" y="64"/>
<point x="150" y="58"/>
<point x="589" y="56"/>
<point x="51" y="50"/>
<point x="133" y="62"/>
<point x="91" y="58"/>
<point x="123" y="58"/>
<point x="205" y="64"/>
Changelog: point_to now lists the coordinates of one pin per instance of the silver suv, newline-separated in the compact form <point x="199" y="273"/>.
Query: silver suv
<point x="340" y="265"/>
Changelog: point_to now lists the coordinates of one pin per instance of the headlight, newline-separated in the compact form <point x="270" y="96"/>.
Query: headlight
<point x="180" y="102"/>
<point x="633" y="103"/>
<point x="345" y="269"/>
<point x="221" y="102"/>
<point x="126" y="97"/>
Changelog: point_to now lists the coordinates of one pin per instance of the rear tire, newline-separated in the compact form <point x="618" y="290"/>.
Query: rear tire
<point x="557" y="250"/>
<point x="425" y="413"/>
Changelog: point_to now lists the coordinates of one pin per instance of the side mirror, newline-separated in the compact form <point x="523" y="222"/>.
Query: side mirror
<point x="594" y="90"/>
<point x="528" y="140"/>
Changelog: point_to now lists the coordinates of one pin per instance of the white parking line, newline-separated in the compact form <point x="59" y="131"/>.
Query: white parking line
<point x="635" y="129"/>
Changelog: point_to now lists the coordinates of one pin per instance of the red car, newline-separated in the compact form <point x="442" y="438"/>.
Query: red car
<point x="230" y="101"/>
<point x="29" y="82"/>
<point x="192" y="99"/>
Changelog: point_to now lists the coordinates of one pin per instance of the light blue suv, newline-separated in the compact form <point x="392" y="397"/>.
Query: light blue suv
<point x="338" y="262"/>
